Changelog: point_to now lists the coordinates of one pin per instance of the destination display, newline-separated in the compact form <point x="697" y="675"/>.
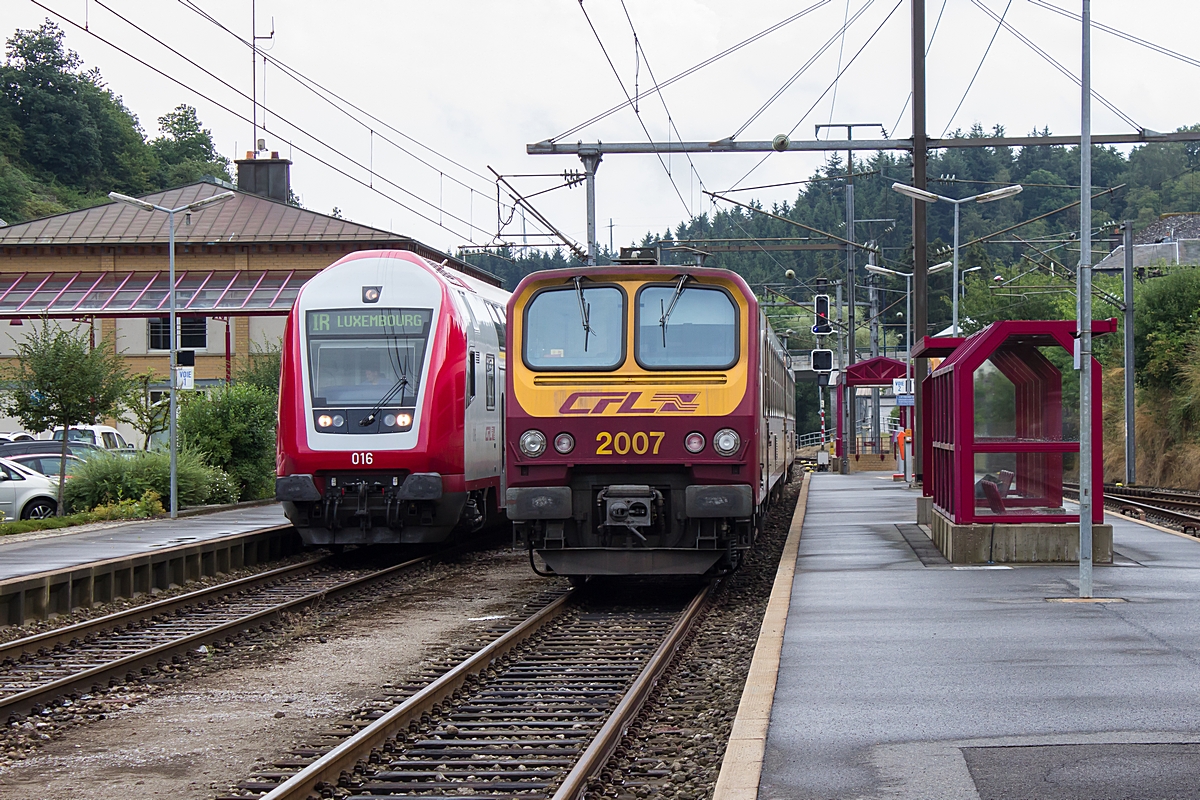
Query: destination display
<point x="376" y="322"/>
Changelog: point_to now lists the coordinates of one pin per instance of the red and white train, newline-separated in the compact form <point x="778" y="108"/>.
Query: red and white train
<point x="391" y="402"/>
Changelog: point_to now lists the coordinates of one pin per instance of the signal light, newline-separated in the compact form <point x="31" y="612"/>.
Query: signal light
<point x="821" y="360"/>
<point x="821" y="311"/>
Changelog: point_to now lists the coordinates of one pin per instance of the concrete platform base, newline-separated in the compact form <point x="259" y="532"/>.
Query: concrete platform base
<point x="865" y="462"/>
<point x="924" y="510"/>
<point x="1049" y="543"/>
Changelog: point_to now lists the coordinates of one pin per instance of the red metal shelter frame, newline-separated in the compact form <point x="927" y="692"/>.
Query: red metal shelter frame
<point x="877" y="371"/>
<point x="1032" y="492"/>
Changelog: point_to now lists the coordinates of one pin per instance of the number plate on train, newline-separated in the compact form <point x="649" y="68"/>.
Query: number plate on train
<point x="621" y="443"/>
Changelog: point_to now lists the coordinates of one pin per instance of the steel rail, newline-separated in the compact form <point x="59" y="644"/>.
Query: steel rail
<point x="613" y="731"/>
<point x="25" y="700"/>
<point x="1190" y="523"/>
<point x="328" y="768"/>
<point x="56" y="636"/>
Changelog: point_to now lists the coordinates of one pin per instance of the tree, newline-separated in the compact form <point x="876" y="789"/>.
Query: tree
<point x="233" y="428"/>
<point x="186" y="149"/>
<point x="262" y="368"/>
<point x="59" y="380"/>
<point x="144" y="416"/>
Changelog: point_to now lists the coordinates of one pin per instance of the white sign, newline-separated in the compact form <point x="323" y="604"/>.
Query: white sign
<point x="902" y="386"/>
<point x="185" y="377"/>
<point x="906" y="400"/>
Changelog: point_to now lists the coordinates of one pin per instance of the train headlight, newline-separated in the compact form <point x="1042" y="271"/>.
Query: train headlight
<point x="338" y="420"/>
<point x="404" y="420"/>
<point x="564" y="443"/>
<point x="533" y="443"/>
<point x="694" y="442"/>
<point x="325" y="421"/>
<point x="727" y="442"/>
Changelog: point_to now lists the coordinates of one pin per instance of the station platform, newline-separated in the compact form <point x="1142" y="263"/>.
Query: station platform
<point x="902" y="676"/>
<point x="29" y="554"/>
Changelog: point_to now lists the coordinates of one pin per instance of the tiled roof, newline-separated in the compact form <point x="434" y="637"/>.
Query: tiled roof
<point x="246" y="218"/>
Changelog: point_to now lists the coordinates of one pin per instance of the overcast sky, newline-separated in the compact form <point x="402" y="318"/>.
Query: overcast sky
<point x="476" y="80"/>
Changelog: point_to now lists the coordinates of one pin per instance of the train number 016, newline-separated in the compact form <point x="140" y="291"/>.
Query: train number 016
<point x="362" y="458"/>
<point x="621" y="443"/>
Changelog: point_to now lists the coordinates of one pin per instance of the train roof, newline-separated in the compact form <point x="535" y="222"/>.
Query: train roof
<point x="615" y="271"/>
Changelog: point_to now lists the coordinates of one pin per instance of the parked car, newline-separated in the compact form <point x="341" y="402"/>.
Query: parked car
<point x="81" y="450"/>
<point x="105" y="437"/>
<point x="25" y="494"/>
<point x="48" y="464"/>
<point x="17" y="436"/>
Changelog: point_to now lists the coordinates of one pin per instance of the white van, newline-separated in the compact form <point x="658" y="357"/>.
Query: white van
<point x="102" y="436"/>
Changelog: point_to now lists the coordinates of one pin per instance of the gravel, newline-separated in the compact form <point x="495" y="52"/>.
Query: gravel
<point x="675" y="747"/>
<point x="187" y="731"/>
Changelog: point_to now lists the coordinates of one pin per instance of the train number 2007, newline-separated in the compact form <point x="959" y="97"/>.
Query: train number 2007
<point x="620" y="443"/>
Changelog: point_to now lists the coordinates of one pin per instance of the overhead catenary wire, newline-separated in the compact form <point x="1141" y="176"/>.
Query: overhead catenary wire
<point x="971" y="83"/>
<point x="625" y="91"/>
<point x="1025" y="40"/>
<point x="244" y="118"/>
<point x="803" y="68"/>
<point x="820" y="97"/>
<point x="1129" y="37"/>
<point x="693" y="69"/>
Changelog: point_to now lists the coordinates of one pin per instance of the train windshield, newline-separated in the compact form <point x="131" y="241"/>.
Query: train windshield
<point x="367" y="359"/>
<point x="576" y="327"/>
<point x="683" y="326"/>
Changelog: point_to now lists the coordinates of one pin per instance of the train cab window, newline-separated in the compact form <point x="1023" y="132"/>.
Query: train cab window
<point x="359" y="360"/>
<point x="699" y="331"/>
<point x="575" y="328"/>
<point x="497" y="314"/>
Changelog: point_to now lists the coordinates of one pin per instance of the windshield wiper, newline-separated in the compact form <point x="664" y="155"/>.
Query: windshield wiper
<point x="369" y="419"/>
<point x="666" y="314"/>
<point x="585" y="311"/>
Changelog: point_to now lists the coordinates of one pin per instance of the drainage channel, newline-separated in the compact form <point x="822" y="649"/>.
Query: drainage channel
<point x="535" y="713"/>
<point x="143" y="640"/>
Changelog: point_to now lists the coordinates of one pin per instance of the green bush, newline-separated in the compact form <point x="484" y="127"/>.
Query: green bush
<point x="149" y="506"/>
<point x="107" y="479"/>
<point x="233" y="428"/>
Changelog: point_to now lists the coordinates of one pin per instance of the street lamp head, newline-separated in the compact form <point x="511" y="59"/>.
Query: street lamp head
<point x="972" y="269"/>
<point x="133" y="201"/>
<point x="1000" y="194"/>
<point x="885" y="271"/>
<point x="914" y="192"/>
<point x="210" y="201"/>
<point x="940" y="267"/>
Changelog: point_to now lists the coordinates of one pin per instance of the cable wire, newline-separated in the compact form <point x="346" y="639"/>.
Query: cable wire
<point x="841" y="50"/>
<point x="693" y="69"/>
<point x="1008" y="26"/>
<point x="244" y="118"/>
<point x="928" y="47"/>
<point x="971" y="83"/>
<point x="1129" y="37"/>
<point x="822" y="95"/>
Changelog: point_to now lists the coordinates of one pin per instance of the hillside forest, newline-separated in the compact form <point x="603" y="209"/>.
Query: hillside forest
<point x="67" y="139"/>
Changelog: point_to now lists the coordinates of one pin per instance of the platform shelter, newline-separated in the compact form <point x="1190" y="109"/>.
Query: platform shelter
<point x="1002" y="421"/>
<point x="876" y="371"/>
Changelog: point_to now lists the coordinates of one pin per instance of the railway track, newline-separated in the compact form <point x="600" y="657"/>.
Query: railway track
<point x="535" y="713"/>
<point x="142" y="641"/>
<point x="1174" y="508"/>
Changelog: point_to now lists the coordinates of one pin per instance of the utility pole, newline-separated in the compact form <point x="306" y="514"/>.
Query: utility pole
<point x="254" y="37"/>
<point x="610" y="236"/>
<point x="591" y="161"/>
<point x="1130" y="426"/>
<point x="1084" y="324"/>
<point x="873" y="296"/>
<point x="920" y="320"/>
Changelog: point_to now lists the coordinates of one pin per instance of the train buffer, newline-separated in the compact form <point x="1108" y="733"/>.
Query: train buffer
<point x="903" y="675"/>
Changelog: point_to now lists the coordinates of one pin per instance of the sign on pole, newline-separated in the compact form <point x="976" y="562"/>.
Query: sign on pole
<point x="185" y="377"/>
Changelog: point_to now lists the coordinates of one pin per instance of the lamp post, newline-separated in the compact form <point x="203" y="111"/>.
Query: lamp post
<point x="908" y="276"/>
<point x="171" y="212"/>
<point x="930" y="197"/>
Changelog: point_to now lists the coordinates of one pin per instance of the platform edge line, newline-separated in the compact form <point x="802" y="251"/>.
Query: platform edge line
<point x="741" y="767"/>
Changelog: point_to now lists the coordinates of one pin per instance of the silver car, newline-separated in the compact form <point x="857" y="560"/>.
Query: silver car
<point x="24" y="493"/>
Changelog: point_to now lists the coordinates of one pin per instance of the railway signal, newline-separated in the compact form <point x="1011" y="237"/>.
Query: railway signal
<point x="821" y="311"/>
<point x="821" y="360"/>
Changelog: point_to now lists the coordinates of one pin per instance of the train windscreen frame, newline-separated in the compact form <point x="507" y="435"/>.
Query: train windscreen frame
<point x="363" y="359"/>
<point x="575" y="327"/>
<point x="686" y="326"/>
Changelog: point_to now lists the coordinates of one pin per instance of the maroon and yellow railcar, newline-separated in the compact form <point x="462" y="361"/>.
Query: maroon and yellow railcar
<point x="650" y="418"/>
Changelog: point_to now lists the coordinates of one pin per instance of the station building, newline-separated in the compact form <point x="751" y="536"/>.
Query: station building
<point x="239" y="266"/>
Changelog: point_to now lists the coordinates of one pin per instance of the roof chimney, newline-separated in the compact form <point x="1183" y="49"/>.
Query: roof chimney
<point x="266" y="177"/>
